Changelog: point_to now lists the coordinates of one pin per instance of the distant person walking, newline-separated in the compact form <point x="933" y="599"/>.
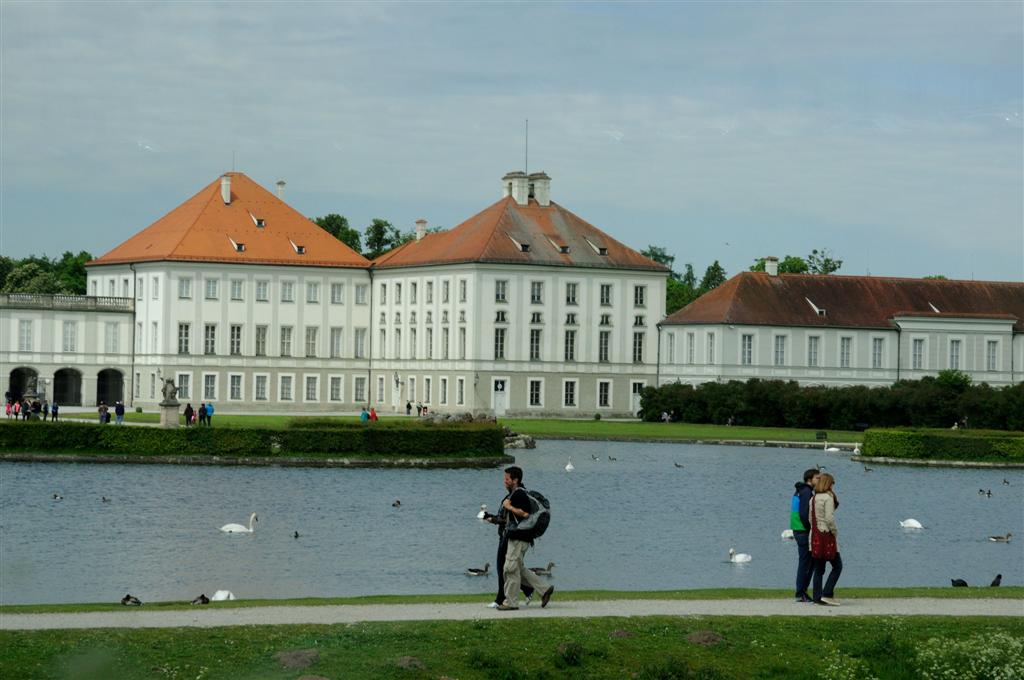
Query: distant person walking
<point x="119" y="412"/>
<point x="189" y="414"/>
<point x="800" y="523"/>
<point x="7" y="408"/>
<point x="373" y="415"/>
<point x="364" y="415"/>
<point x="53" y="411"/>
<point x="201" y="414"/>
<point x="501" y="519"/>
<point x="824" y="540"/>
<point x="102" y="410"/>
<point x="408" y="408"/>
<point x="46" y="410"/>
<point x="209" y="414"/>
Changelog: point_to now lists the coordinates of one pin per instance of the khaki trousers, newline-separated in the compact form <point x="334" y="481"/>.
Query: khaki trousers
<point x="515" y="572"/>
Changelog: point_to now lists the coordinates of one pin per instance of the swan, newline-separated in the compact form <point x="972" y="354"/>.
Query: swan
<point x="911" y="524"/>
<point x="222" y="595"/>
<point x="787" y="534"/>
<point x="472" y="571"/>
<point x="831" y="449"/>
<point x="543" y="571"/>
<point x="738" y="557"/>
<point x="569" y="467"/>
<point x="1001" y="539"/>
<point x="483" y="512"/>
<point x="202" y="599"/>
<point x="130" y="600"/>
<point x="856" y="450"/>
<point x="238" y="528"/>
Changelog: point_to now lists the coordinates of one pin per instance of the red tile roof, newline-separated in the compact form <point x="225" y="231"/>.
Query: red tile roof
<point x="553" y="235"/>
<point x="201" y="229"/>
<point x="755" y="298"/>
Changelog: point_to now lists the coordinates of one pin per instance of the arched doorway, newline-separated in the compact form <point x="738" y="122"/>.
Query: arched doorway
<point x="67" y="387"/>
<point x="22" y="380"/>
<point x="109" y="386"/>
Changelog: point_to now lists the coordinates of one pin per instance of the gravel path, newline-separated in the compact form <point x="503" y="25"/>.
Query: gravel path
<point x="329" y="614"/>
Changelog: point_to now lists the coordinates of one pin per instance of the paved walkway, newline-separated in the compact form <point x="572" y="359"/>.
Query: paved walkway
<point x="329" y="614"/>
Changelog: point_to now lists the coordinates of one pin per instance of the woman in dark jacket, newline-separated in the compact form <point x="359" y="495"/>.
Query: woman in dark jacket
<point x="188" y="414"/>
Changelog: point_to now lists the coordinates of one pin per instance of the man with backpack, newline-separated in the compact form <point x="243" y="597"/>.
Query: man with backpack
<point x="518" y="507"/>
<point x="800" y="523"/>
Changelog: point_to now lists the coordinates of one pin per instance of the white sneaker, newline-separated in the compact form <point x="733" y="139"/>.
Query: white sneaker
<point x="493" y="605"/>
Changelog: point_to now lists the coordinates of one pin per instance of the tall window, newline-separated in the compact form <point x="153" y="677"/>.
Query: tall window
<point x="877" y="346"/>
<point x="711" y="348"/>
<point x="845" y="348"/>
<point x="285" y="393"/>
<point x="183" y="338"/>
<point x="671" y="338"/>
<point x="917" y="355"/>
<point x="570" y="293"/>
<point x="336" y="342"/>
<point x="212" y="289"/>
<point x="536" y="292"/>
<point x="360" y="343"/>
<point x="380" y="389"/>
<point x="639" y="296"/>
<point x="413" y="287"/>
<point x="337" y="293"/>
<point x="604" y="393"/>
<point x="261" y="341"/>
<point x="445" y="287"/>
<point x="111" y="338"/>
<point x="991" y="352"/>
<point x="430" y="343"/>
<point x="312" y="388"/>
<point x="152" y="385"/>
<point x="184" y="288"/>
<point x="501" y="291"/>
<point x="954" y="354"/>
<point x="398" y="343"/>
<point x="604" y="342"/>
<point x="690" y="349"/>
<point x="443" y="397"/>
<point x="412" y="388"/>
<point x="25" y="335"/>
<point x="812" y="350"/>
<point x="311" y="333"/>
<point x="236" y="289"/>
<point x="236" y="339"/>
<point x="138" y="288"/>
<point x="499" y="343"/>
<point x="444" y="343"/>
<point x="535" y="393"/>
<point x="359" y="390"/>
<point x="184" y="386"/>
<point x="156" y="288"/>
<point x="462" y="290"/>
<point x="430" y="292"/>
<point x="780" y="350"/>
<point x="606" y="295"/>
<point x="747" y="349"/>
<point x="210" y="338"/>
<point x="382" y="348"/>
<point x="154" y="336"/>
<point x="287" y="291"/>
<point x="70" y="336"/>
<point x="262" y="291"/>
<point x="398" y="293"/>
<point x="569" y="393"/>
<point x="138" y="338"/>
<point x="638" y="348"/>
<point x="412" y="343"/>
<point x="383" y="293"/>
<point x="286" y="341"/>
<point x="209" y="387"/>
<point x="261" y="388"/>
<point x="312" y="292"/>
<point x="570" y="346"/>
<point x="427" y="384"/>
<point x="235" y="387"/>
<point x="462" y="343"/>
<point x="460" y="391"/>
<point x="534" y="344"/>
<point x="335" y="388"/>
<point x="361" y="293"/>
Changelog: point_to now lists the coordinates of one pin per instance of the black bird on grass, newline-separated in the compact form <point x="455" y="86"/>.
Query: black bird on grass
<point x="130" y="600"/>
<point x="202" y="599"/>
<point x="997" y="581"/>
<point x="958" y="582"/>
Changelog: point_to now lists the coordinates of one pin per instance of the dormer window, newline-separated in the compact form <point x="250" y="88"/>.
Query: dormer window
<point x="523" y="247"/>
<point x="258" y="221"/>
<point x="301" y="250"/>
<point x="600" y="250"/>
<point x="563" y="249"/>
<point x="820" y="311"/>
<point x="239" y="247"/>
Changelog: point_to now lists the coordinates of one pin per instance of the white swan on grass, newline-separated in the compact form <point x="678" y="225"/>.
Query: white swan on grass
<point x="238" y="528"/>
<point x="787" y="534"/>
<point x="569" y="467"/>
<point x="222" y="595"/>
<point x="911" y="524"/>
<point x="737" y="558"/>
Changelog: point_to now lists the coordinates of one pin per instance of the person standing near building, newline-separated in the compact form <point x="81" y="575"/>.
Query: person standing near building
<point x="373" y="415"/>
<point x="119" y="412"/>
<point x="189" y="414"/>
<point x="201" y="413"/>
<point x="517" y="507"/>
<point x="46" y="410"/>
<point x="53" y="412"/>
<point x="209" y="414"/>
<point x="800" y="524"/>
<point x="364" y="415"/>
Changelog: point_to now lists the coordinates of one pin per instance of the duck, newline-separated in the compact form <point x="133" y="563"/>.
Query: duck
<point x="911" y="524"/>
<point x="483" y="512"/>
<point x="989" y="493"/>
<point x="396" y="504"/>
<point x="958" y="582"/>
<point x="997" y="581"/>
<point x="737" y="558"/>
<point x="678" y="465"/>
<point x="104" y="499"/>
<point x="543" y="571"/>
<point x="867" y="469"/>
<point x="831" y="449"/>
<point x="473" y="571"/>
<point x="593" y="456"/>
<point x="296" y="534"/>
<point x="1001" y="539"/>
<point x="238" y="528"/>
<point x="1006" y="482"/>
<point x="222" y="595"/>
<point x="58" y="497"/>
<point x="569" y="467"/>
<point x="130" y="600"/>
<point x="612" y="458"/>
<point x="981" y="492"/>
<point x="787" y="535"/>
<point x="202" y="599"/>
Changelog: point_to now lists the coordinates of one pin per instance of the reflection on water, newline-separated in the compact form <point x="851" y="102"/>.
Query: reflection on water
<point x="638" y="522"/>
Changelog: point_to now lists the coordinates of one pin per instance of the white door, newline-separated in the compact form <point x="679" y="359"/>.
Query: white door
<point x="499" y="397"/>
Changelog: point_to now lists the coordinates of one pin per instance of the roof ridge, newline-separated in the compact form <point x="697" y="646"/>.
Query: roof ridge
<point x="497" y="225"/>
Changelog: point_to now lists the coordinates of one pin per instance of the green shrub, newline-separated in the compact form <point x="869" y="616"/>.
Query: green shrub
<point x="597" y="416"/>
<point x="977" y="445"/>
<point x="994" y="656"/>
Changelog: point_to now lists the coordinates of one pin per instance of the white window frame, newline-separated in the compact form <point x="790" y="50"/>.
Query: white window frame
<point x="846" y="355"/>
<point x="597" y="395"/>
<point x="442" y="392"/>
<point x="262" y="290"/>
<point x="111" y="337"/>
<point x="26" y="335"/>
<point x="184" y="386"/>
<point x="337" y="293"/>
<point x="460" y="391"/>
<point x="918" y="361"/>
<point x="428" y="387"/>
<point x="955" y="358"/>
<point x="211" y="289"/>
<point x="313" y="292"/>
<point x="305" y="388"/>
<point x="69" y="336"/>
<point x="216" y="386"/>
<point x="710" y="339"/>
<point x="779" y="350"/>
<point x="288" y="291"/>
<point x="536" y="292"/>
<point x="529" y="384"/>
<point x="361" y="289"/>
<point x="747" y="349"/>
<point x="155" y="288"/>
<point x="813" y="351"/>
<point x="241" y="386"/>
<point x="359" y="389"/>
<point x="575" y="393"/>
<point x="877" y="353"/>
<point x="382" y="389"/>
<point x="291" y="386"/>
<point x="331" y="378"/>
<point x="266" y="386"/>
<point x="154" y="337"/>
<point x="991" y="354"/>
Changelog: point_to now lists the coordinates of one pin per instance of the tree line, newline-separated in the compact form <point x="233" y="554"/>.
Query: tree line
<point x="41" y="274"/>
<point x="378" y="238"/>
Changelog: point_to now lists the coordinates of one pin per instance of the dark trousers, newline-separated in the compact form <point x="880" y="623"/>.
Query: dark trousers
<point x="804" y="563"/>
<point x="526" y="588"/>
<point x="833" y="577"/>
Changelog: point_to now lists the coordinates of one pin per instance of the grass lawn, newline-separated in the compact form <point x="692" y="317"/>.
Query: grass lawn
<point x="647" y="648"/>
<point x="605" y="429"/>
<point x="1006" y="592"/>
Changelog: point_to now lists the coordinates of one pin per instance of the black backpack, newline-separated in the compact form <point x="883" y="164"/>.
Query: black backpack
<point x="537" y="523"/>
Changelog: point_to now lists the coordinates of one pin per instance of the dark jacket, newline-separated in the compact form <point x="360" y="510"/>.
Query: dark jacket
<point x="798" y="516"/>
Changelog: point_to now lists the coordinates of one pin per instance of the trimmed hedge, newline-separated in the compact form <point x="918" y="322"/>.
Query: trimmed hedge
<point x="978" y="445"/>
<point x="356" y="440"/>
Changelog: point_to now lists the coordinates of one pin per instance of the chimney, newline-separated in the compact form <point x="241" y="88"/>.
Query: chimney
<point x="421" y="228"/>
<point x="516" y="185"/>
<point x="225" y="189"/>
<point x="280" y="189"/>
<point x="540" y="188"/>
<point x="771" y="265"/>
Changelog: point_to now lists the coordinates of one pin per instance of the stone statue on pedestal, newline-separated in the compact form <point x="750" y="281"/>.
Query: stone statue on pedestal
<point x="170" y="391"/>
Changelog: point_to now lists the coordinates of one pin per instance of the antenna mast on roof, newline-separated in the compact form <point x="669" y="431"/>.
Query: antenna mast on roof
<point x="526" y="151"/>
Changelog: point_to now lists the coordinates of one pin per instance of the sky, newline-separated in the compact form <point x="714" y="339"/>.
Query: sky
<point x="890" y="133"/>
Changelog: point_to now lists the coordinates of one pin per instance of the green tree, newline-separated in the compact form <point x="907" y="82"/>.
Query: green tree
<point x="822" y="262"/>
<point x="380" y="237"/>
<point x="6" y="267"/>
<point x="31" y="277"/>
<point x="939" y="277"/>
<point x="70" y="271"/>
<point x="661" y="256"/>
<point x="337" y="226"/>
<point x="790" y="264"/>
<point x="714" y="276"/>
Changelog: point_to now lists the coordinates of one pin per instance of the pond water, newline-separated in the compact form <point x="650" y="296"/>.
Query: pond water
<point x="636" y="523"/>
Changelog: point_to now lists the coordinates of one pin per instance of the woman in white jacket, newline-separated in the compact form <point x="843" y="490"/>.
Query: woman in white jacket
<point x="824" y="506"/>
